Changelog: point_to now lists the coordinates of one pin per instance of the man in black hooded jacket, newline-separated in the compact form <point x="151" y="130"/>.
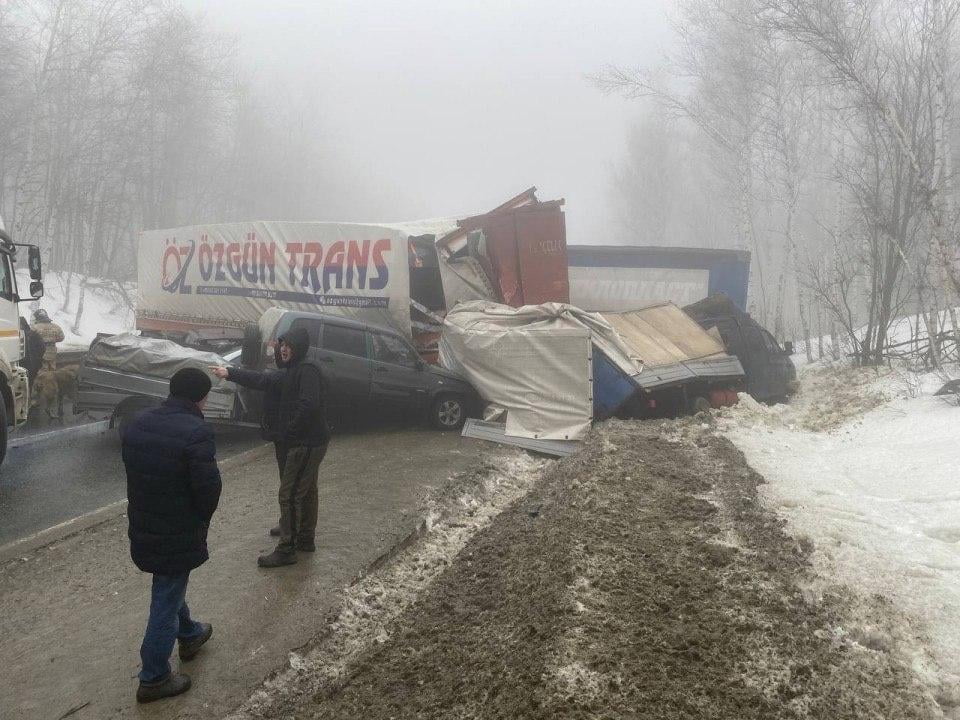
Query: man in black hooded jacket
<point x="301" y="435"/>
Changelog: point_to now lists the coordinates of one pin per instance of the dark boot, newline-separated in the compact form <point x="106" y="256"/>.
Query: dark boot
<point x="175" y="684"/>
<point x="276" y="559"/>
<point x="275" y="531"/>
<point x="306" y="545"/>
<point x="190" y="648"/>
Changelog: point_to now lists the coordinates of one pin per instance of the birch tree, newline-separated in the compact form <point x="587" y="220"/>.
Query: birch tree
<point x="849" y="124"/>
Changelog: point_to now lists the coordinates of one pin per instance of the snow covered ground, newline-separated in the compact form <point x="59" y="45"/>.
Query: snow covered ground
<point x="104" y="307"/>
<point x="866" y="464"/>
<point x="903" y="332"/>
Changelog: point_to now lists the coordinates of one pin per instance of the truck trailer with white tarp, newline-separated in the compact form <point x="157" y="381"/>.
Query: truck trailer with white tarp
<point x="206" y="283"/>
<point x="208" y="278"/>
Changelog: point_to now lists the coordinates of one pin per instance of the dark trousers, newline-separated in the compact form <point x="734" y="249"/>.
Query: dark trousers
<point x="169" y="621"/>
<point x="299" y="470"/>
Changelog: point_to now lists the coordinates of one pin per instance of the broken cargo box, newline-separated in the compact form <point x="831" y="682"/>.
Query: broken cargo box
<point x="673" y="348"/>
<point x="536" y="362"/>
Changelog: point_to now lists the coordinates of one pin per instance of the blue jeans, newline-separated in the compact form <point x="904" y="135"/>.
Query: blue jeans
<point x="169" y="621"/>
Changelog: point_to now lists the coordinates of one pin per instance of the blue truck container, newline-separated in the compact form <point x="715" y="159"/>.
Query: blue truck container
<point x="612" y="387"/>
<point x="628" y="277"/>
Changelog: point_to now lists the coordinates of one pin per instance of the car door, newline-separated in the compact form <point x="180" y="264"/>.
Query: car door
<point x="782" y="371"/>
<point x="342" y="356"/>
<point x="760" y="376"/>
<point x="398" y="380"/>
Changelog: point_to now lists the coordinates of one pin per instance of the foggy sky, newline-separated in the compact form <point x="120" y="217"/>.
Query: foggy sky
<point x="447" y="107"/>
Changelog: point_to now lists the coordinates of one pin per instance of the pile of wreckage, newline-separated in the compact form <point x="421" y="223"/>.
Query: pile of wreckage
<point x="488" y="296"/>
<point x="547" y="369"/>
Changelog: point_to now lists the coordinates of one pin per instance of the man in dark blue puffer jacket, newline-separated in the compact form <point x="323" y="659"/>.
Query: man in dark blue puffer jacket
<point x="173" y="487"/>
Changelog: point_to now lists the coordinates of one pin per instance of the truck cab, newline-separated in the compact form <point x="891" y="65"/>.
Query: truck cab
<point x="769" y="371"/>
<point x="14" y="388"/>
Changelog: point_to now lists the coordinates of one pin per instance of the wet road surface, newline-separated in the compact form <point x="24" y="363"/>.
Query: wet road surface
<point x="74" y="610"/>
<point x="52" y="481"/>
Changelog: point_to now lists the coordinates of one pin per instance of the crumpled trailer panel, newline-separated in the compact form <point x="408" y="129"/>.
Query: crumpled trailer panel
<point x="680" y="363"/>
<point x="522" y="249"/>
<point x="673" y="348"/>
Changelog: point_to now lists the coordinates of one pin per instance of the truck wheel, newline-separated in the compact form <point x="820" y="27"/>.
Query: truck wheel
<point x="448" y="413"/>
<point x="699" y="404"/>
<point x="251" y="352"/>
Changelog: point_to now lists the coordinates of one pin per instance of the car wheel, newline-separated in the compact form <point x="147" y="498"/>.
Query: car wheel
<point x="449" y="413"/>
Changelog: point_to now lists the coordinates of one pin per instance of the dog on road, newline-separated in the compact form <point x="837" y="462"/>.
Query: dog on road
<point x="51" y="387"/>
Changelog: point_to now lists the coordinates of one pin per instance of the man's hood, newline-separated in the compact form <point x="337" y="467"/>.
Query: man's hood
<point x="299" y="341"/>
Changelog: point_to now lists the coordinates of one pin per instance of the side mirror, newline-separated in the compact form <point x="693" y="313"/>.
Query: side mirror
<point x="788" y="347"/>
<point x="36" y="290"/>
<point x="36" y="271"/>
<point x="420" y="364"/>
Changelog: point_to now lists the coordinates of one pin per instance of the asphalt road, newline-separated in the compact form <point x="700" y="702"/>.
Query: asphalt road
<point x="73" y="611"/>
<point x="52" y="481"/>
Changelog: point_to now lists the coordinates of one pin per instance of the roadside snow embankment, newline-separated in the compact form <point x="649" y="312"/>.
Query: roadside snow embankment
<point x="370" y="607"/>
<point x="639" y="575"/>
<point x="877" y="494"/>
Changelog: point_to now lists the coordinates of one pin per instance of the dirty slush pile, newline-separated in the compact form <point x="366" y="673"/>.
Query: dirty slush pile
<point x="639" y="578"/>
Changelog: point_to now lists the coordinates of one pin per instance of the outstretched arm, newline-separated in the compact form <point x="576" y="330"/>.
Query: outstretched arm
<point x="268" y="380"/>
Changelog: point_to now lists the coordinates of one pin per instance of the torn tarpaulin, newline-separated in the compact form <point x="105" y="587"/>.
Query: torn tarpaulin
<point x="535" y="361"/>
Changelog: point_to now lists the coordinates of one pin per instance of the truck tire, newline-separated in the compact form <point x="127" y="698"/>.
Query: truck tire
<point x="698" y="404"/>
<point x="251" y="352"/>
<point x="449" y="412"/>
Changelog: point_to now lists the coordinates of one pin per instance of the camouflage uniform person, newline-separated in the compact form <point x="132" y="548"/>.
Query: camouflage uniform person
<point x="51" y="333"/>
<point x="33" y="348"/>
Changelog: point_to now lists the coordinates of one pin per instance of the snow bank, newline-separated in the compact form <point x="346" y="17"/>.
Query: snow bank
<point x="879" y="496"/>
<point x="368" y="608"/>
<point x="902" y="332"/>
<point x="104" y="307"/>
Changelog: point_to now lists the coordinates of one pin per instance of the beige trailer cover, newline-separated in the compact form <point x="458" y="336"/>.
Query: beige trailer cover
<point x="673" y="348"/>
<point x="663" y="335"/>
<point x="533" y="361"/>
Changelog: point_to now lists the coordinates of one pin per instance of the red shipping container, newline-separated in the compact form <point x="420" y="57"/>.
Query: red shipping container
<point x="542" y="253"/>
